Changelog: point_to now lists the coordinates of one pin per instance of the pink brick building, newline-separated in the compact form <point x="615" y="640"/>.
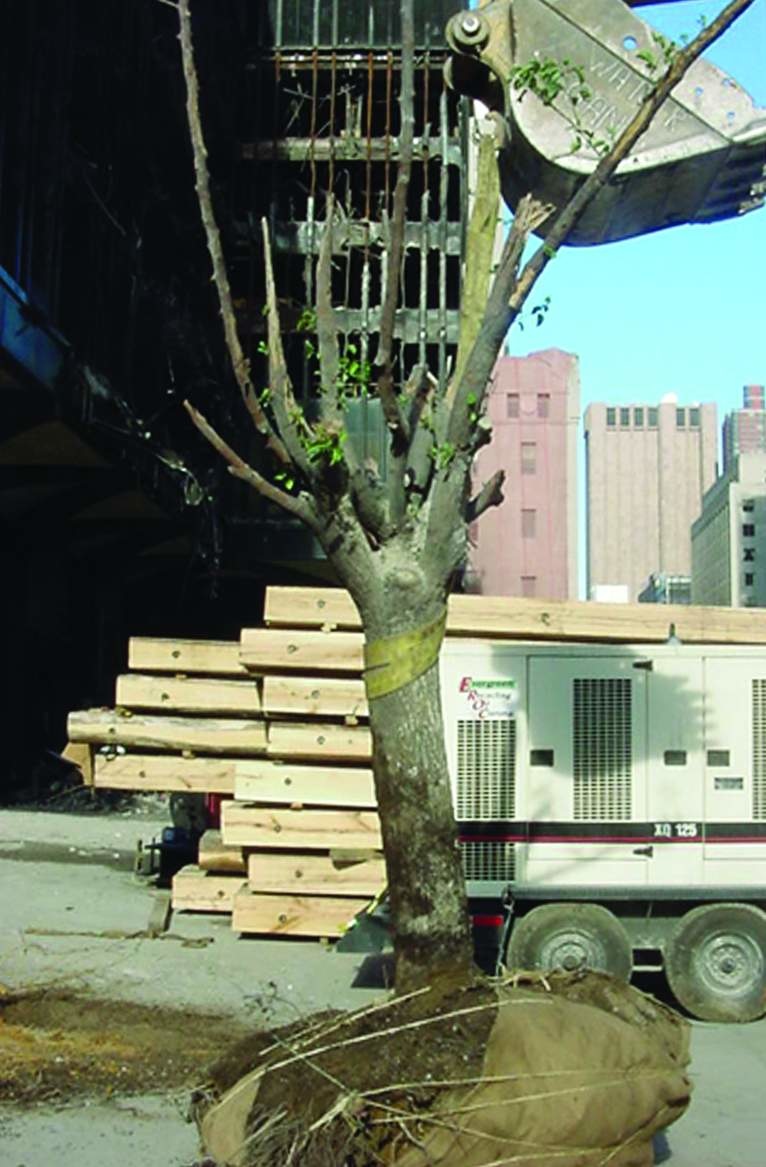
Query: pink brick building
<point x="528" y="545"/>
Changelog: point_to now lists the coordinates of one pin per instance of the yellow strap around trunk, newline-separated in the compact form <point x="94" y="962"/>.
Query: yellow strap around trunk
<point x="395" y="661"/>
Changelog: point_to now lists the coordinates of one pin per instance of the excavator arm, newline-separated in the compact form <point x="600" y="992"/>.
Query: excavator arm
<point x="702" y="159"/>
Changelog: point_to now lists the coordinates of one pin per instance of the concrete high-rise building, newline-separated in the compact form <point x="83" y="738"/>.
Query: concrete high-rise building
<point x="744" y="430"/>
<point x="528" y="545"/>
<point x="647" y="468"/>
<point x="729" y="538"/>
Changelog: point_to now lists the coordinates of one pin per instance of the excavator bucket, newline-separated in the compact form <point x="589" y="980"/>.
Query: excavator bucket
<point x="702" y="159"/>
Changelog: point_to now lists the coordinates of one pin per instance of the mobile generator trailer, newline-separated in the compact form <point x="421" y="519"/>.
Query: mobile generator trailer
<point x="614" y="797"/>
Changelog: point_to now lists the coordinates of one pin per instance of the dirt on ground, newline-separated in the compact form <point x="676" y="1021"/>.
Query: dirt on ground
<point x="57" y="1046"/>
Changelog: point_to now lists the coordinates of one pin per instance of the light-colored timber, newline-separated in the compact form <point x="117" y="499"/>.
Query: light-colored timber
<point x="317" y="741"/>
<point x="188" y="694"/>
<point x="275" y="915"/>
<point x="517" y="618"/>
<point x="214" y="855"/>
<point x="314" y="696"/>
<point x="285" y="783"/>
<point x="81" y="756"/>
<point x="145" y="731"/>
<point x="243" y="825"/>
<point x="158" y="655"/>
<point x="164" y="772"/>
<point x="268" y="650"/>
<point x="273" y="872"/>
<point x="195" y="890"/>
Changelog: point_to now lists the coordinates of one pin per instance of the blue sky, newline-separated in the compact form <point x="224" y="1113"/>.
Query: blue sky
<point x="678" y="311"/>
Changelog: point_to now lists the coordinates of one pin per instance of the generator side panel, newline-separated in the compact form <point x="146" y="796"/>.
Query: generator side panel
<point x="484" y="693"/>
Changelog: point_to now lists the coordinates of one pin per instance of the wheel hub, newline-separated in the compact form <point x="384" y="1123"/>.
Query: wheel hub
<point x="571" y="951"/>
<point x="730" y="963"/>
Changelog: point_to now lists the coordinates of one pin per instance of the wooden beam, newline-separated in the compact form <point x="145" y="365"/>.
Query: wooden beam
<point x="274" y="872"/>
<point x="521" y="618"/>
<point x="319" y="741"/>
<point x="276" y="915"/>
<point x="154" y="655"/>
<point x="188" y="694"/>
<point x="315" y="696"/>
<point x="268" y="650"/>
<point x="284" y="783"/>
<point x="214" y="855"/>
<point x="163" y="772"/>
<point x="143" y="731"/>
<point x="243" y="825"/>
<point x="195" y="890"/>
<point x="81" y="756"/>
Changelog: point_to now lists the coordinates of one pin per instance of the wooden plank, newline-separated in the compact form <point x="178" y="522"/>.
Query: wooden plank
<point x="267" y="650"/>
<point x="214" y="855"/>
<point x="143" y="731"/>
<point x="81" y="756"/>
<point x="165" y="772"/>
<point x="243" y="825"/>
<point x="310" y="608"/>
<point x="188" y="694"/>
<point x="195" y="890"/>
<point x="286" y="783"/>
<point x="275" y="915"/>
<point x="315" y="696"/>
<point x="159" y="655"/>
<point x="314" y="875"/>
<point x="521" y="618"/>
<point x="319" y="741"/>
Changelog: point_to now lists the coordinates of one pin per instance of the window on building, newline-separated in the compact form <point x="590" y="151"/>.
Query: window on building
<point x="749" y="555"/>
<point x="653" y="416"/>
<point x="529" y="585"/>
<point x="511" y="405"/>
<point x="528" y="524"/>
<point x="624" y="417"/>
<point x="748" y="504"/>
<point x="680" y="418"/>
<point x="748" y="530"/>
<point x="749" y="579"/>
<point x="528" y="457"/>
<point x="543" y="404"/>
<point x="611" y="417"/>
<point x="638" y="418"/>
<point x="694" y="418"/>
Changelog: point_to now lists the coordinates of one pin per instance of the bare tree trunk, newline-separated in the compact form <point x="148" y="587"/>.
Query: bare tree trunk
<point x="402" y="611"/>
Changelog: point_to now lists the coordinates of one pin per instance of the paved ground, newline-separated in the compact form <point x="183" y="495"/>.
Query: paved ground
<point x="69" y="898"/>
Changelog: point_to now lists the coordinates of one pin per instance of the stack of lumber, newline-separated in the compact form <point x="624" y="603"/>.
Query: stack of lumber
<point x="185" y="716"/>
<point x="277" y="723"/>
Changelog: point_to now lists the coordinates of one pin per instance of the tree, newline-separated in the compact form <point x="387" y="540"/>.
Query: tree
<point x="397" y="545"/>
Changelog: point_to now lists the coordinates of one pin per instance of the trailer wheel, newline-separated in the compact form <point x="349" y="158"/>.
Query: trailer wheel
<point x="570" y="936"/>
<point x="715" y="962"/>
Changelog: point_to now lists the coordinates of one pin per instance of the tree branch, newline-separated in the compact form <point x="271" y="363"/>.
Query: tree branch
<point x="239" y="362"/>
<point x="327" y="335"/>
<point x="490" y="495"/>
<point x="300" y="506"/>
<point x="289" y="416"/>
<point x="386" y="391"/>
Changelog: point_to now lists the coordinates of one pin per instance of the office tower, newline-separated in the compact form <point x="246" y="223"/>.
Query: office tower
<point x="744" y="430"/>
<point x="729" y="538"/>
<point x="647" y="468"/>
<point x="528" y="545"/>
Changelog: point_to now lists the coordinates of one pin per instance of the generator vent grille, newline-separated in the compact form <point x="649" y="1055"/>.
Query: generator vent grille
<point x="759" y="749"/>
<point x="494" y="860"/>
<point x="602" y="747"/>
<point x="486" y="769"/>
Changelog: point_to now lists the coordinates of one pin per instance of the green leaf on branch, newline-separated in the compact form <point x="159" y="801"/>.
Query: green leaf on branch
<point x="326" y="446"/>
<point x="443" y="455"/>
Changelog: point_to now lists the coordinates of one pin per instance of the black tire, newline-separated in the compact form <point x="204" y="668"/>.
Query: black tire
<point x="570" y="936"/>
<point x="715" y="962"/>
